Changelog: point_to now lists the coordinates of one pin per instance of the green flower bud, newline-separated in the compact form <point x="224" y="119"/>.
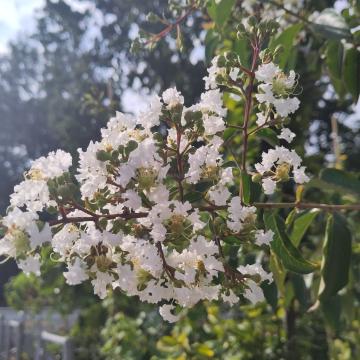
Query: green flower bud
<point x="103" y="155"/>
<point x="256" y="178"/>
<point x="103" y="263"/>
<point x="221" y="62"/>
<point x="21" y="242"/>
<point x="282" y="172"/>
<point x="146" y="178"/>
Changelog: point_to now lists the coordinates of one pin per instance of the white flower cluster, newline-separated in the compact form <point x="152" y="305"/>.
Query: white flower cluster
<point x="275" y="98"/>
<point x="138" y="226"/>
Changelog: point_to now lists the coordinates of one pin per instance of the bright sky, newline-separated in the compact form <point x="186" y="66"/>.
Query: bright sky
<point x="16" y="16"/>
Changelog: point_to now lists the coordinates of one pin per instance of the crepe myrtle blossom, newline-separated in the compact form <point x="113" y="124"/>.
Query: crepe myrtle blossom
<point x="280" y="164"/>
<point x="151" y="202"/>
<point x="275" y="88"/>
<point x="287" y="135"/>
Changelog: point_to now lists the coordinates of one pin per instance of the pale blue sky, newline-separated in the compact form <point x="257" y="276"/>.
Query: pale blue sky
<point x="16" y="16"/>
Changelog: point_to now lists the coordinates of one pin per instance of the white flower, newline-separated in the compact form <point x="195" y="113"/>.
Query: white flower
<point x="238" y="214"/>
<point x="267" y="95"/>
<point x="256" y="269"/>
<point x="32" y="193"/>
<point x="219" y="195"/>
<point x="233" y="74"/>
<point x="299" y="175"/>
<point x="213" y="124"/>
<point x="266" y="72"/>
<point x="101" y="282"/>
<point x="230" y="298"/>
<point x="166" y="313"/>
<point x="253" y="292"/>
<point x="172" y="97"/>
<point x="261" y="119"/>
<point x="92" y="173"/>
<point x="287" y="135"/>
<point x="263" y="237"/>
<point x="54" y="165"/>
<point x="30" y="265"/>
<point x="151" y="117"/>
<point x="287" y="106"/>
<point x="76" y="273"/>
<point x="214" y="70"/>
<point x="211" y="101"/>
<point x="269" y="186"/>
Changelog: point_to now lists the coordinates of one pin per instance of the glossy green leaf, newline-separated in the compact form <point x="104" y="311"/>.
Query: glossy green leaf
<point x="246" y="187"/>
<point x="220" y="11"/>
<point x="300" y="226"/>
<point x="352" y="72"/>
<point x="286" y="39"/>
<point x="336" y="257"/>
<point x="341" y="181"/>
<point x="282" y="246"/>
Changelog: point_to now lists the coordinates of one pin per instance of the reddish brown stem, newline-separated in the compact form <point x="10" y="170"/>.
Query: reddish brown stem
<point x="247" y="110"/>
<point x="170" y="27"/>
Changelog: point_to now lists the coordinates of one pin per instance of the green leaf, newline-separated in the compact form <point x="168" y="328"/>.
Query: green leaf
<point x="286" y="39"/>
<point x="331" y="25"/>
<point x="301" y="224"/>
<point x="203" y="186"/>
<point x="269" y="136"/>
<point x="246" y="187"/>
<point x="334" y="59"/>
<point x="341" y="181"/>
<point x="220" y="11"/>
<point x="352" y="72"/>
<point x="193" y="196"/>
<point x="211" y="43"/>
<point x="279" y="273"/>
<point x="336" y="257"/>
<point x="331" y="308"/>
<point x="282" y="246"/>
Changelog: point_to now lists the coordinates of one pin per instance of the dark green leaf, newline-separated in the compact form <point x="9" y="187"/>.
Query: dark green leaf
<point x="301" y="224"/>
<point x="193" y="196"/>
<point x="269" y="136"/>
<point x="334" y="58"/>
<point x="331" y="308"/>
<point x="352" y="72"/>
<point x="336" y="257"/>
<point x="246" y="187"/>
<point x="286" y="39"/>
<point x="282" y="246"/>
<point x="220" y="11"/>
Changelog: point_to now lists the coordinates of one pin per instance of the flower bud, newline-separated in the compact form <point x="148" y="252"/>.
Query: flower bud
<point x="256" y="178"/>
<point x="282" y="172"/>
<point x="21" y="242"/>
<point x="146" y="178"/>
<point x="103" y="263"/>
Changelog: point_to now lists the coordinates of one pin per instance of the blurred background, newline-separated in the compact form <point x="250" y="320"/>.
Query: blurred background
<point x="65" y="67"/>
